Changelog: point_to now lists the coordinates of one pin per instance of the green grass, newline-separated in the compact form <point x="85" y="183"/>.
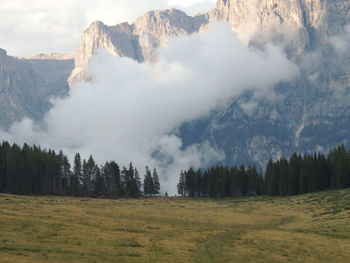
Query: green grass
<point x="309" y="228"/>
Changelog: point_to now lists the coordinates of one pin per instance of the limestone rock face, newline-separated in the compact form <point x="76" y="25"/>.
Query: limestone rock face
<point x="298" y="25"/>
<point x="139" y="41"/>
<point x="156" y="28"/>
<point x="117" y="40"/>
<point x="267" y="20"/>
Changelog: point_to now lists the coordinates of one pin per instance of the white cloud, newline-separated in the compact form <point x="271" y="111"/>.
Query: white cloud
<point x="341" y="42"/>
<point x="249" y="107"/>
<point x="194" y="6"/>
<point x="44" y="26"/>
<point x="186" y="3"/>
<point x="129" y="111"/>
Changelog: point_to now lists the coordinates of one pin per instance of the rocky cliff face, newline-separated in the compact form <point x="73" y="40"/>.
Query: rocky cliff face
<point x="314" y="111"/>
<point x="28" y="84"/>
<point x="118" y="40"/>
<point x="139" y="41"/>
<point x="298" y="25"/>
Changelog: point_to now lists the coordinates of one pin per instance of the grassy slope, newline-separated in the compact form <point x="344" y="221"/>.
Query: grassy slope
<point x="310" y="228"/>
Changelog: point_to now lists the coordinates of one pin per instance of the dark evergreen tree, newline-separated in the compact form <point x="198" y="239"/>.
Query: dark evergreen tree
<point x="283" y="177"/>
<point x="65" y="173"/>
<point x="190" y="183"/>
<point x="156" y="183"/>
<point x="323" y="170"/>
<point x="76" y="176"/>
<point x="305" y="175"/>
<point x="85" y="178"/>
<point x="131" y="187"/>
<point x="148" y="184"/>
<point x="116" y="188"/>
<point x="31" y="170"/>
<point x="340" y="162"/>
<point x="294" y="170"/>
<point x="138" y="183"/>
<point x="181" y="184"/>
<point x="100" y="188"/>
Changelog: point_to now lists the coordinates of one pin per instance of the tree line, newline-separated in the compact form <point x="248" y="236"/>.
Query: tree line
<point x="221" y="181"/>
<point x="33" y="171"/>
<point x="300" y="174"/>
<point x="308" y="173"/>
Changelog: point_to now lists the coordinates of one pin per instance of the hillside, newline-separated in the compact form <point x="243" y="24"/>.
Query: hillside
<point x="309" y="228"/>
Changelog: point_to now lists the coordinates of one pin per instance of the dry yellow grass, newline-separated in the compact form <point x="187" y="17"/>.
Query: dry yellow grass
<point x="310" y="228"/>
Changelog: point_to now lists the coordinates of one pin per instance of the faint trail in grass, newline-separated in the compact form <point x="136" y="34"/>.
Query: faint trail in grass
<point x="212" y="249"/>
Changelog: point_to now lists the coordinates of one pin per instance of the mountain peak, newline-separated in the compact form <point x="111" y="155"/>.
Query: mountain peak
<point x="159" y="20"/>
<point x="97" y="24"/>
<point x="169" y="11"/>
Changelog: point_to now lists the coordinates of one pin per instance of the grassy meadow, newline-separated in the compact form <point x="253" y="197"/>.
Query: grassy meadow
<point x="309" y="228"/>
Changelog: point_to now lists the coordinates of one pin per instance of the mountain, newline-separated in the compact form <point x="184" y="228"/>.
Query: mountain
<point x="28" y="84"/>
<point x="139" y="41"/>
<point x="309" y="114"/>
<point x="296" y="24"/>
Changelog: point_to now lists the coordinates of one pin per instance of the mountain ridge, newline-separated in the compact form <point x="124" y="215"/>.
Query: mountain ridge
<point x="268" y="20"/>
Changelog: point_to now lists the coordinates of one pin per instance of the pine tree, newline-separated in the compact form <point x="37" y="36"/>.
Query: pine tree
<point x="85" y="178"/>
<point x="294" y="170"/>
<point x="284" y="177"/>
<point x="26" y="175"/>
<point x="76" y="176"/>
<point x="341" y="168"/>
<point x="106" y="174"/>
<point x="116" y="189"/>
<point x="13" y="169"/>
<point x="243" y="180"/>
<point x="156" y="184"/>
<point x="190" y="183"/>
<point x="65" y="173"/>
<point x="305" y="175"/>
<point x="131" y="182"/>
<point x="254" y="184"/>
<point x="91" y="176"/>
<point x="148" y="184"/>
<point x="99" y="183"/>
<point x="272" y="178"/>
<point x="181" y="184"/>
<point x="124" y="179"/>
<point x="138" y="183"/>
<point x="323" y="169"/>
<point x="234" y="182"/>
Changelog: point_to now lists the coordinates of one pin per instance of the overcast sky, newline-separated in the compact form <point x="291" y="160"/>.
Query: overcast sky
<point x="44" y="26"/>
